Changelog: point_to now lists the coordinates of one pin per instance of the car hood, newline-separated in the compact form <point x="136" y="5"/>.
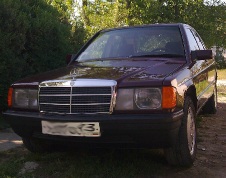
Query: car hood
<point x="125" y="71"/>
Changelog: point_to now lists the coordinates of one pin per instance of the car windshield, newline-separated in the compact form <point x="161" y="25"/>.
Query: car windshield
<point x="135" y="42"/>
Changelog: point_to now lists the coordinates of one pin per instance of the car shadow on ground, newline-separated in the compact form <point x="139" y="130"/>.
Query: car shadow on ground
<point x="9" y="140"/>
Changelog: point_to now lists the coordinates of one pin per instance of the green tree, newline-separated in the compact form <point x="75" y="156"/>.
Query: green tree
<point x="64" y="7"/>
<point x="98" y="14"/>
<point x="33" y="40"/>
<point x="208" y="18"/>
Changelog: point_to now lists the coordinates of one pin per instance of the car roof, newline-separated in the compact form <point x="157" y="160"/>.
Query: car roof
<point x="147" y="25"/>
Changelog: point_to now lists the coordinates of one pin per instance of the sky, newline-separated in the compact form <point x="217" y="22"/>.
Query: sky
<point x="216" y="0"/>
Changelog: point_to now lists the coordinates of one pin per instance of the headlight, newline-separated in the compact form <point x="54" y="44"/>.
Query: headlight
<point x="25" y="98"/>
<point x="124" y="100"/>
<point x="146" y="98"/>
<point x="139" y="98"/>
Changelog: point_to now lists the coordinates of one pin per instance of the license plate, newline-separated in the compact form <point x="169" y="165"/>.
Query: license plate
<point x="78" y="129"/>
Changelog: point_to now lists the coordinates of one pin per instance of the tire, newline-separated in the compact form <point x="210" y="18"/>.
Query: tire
<point x="36" y="145"/>
<point x="210" y="106"/>
<point x="183" y="153"/>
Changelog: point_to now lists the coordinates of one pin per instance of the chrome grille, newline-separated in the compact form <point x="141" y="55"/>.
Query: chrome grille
<point x="76" y="100"/>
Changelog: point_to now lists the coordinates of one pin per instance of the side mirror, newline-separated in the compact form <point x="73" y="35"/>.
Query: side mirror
<point x="69" y="57"/>
<point x="202" y="54"/>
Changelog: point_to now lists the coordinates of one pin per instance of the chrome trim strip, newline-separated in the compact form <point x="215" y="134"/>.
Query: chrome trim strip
<point x="70" y="100"/>
<point x="76" y="95"/>
<point x="206" y="89"/>
<point x="58" y="104"/>
<point x="55" y="104"/>
<point x="79" y="83"/>
<point x="32" y="83"/>
<point x="74" y="113"/>
<point x="91" y="104"/>
<point x="190" y="78"/>
<point x="203" y="69"/>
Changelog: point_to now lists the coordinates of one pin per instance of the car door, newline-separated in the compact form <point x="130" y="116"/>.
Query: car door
<point x="202" y="70"/>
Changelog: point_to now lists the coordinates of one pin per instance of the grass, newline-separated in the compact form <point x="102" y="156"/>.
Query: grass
<point x="221" y="88"/>
<point x="221" y="91"/>
<point x="221" y="74"/>
<point x="85" y="163"/>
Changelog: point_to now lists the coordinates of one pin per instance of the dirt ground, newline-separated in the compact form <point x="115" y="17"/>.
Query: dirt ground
<point x="211" y="157"/>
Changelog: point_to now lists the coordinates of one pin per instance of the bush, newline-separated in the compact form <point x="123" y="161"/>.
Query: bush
<point x="33" y="40"/>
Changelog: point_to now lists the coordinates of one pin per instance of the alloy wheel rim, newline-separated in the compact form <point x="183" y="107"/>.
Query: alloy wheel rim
<point x="215" y="97"/>
<point x="191" y="131"/>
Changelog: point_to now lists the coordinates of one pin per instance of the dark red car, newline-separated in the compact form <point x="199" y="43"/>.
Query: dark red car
<point x="136" y="87"/>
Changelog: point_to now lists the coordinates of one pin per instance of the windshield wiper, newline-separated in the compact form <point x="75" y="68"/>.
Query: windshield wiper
<point x="156" y="55"/>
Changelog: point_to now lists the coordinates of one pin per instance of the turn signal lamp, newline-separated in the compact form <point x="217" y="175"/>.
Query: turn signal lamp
<point x="169" y="97"/>
<point x="10" y="97"/>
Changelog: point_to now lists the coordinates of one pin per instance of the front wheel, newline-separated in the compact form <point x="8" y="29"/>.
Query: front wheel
<point x="183" y="153"/>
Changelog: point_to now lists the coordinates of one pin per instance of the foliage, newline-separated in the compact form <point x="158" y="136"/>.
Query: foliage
<point x="68" y="10"/>
<point x="220" y="60"/>
<point x="98" y="15"/>
<point x="64" y="7"/>
<point x="33" y="39"/>
<point x="207" y="18"/>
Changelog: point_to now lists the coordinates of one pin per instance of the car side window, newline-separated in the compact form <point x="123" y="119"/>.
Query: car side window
<point x="192" y="41"/>
<point x="198" y="40"/>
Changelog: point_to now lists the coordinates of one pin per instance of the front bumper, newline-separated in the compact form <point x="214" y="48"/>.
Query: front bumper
<point x="124" y="130"/>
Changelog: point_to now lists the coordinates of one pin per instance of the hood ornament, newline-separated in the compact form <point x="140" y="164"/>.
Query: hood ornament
<point x="72" y="83"/>
<point x="74" y="73"/>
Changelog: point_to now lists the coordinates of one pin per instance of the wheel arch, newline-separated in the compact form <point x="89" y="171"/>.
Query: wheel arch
<point x="191" y="92"/>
